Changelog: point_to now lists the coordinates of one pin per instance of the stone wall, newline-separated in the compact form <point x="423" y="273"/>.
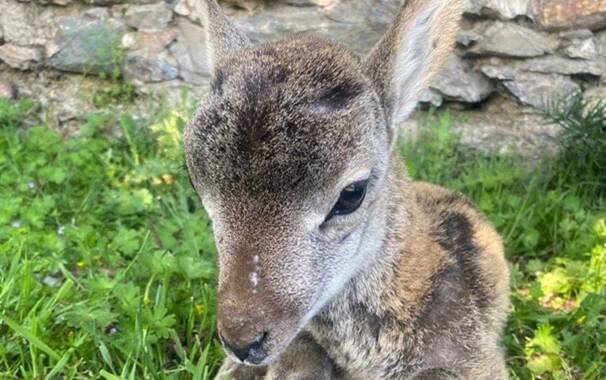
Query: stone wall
<point x="517" y="52"/>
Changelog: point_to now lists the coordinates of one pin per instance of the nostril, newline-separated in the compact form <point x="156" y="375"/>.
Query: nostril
<point x="258" y="342"/>
<point x="249" y="350"/>
<point x="241" y="353"/>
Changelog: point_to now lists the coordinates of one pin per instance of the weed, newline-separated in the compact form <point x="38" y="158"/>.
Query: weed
<point x="106" y="257"/>
<point x="113" y="89"/>
<point x="583" y="157"/>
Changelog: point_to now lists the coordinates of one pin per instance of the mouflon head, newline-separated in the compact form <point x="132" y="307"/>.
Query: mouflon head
<point x="289" y="153"/>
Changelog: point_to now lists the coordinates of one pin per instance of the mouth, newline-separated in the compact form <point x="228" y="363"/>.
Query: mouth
<point x="253" y="354"/>
<point x="256" y="357"/>
<point x="266" y="348"/>
<point x="275" y="334"/>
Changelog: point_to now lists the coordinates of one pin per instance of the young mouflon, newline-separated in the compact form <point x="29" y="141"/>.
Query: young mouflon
<point x="333" y="263"/>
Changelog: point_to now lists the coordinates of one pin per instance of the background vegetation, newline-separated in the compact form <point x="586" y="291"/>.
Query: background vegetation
<point x="107" y="264"/>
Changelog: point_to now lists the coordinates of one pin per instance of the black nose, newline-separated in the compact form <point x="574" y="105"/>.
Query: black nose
<point x="252" y="352"/>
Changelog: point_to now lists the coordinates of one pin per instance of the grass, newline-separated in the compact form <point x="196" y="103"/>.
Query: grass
<point x="106" y="259"/>
<point x="107" y="263"/>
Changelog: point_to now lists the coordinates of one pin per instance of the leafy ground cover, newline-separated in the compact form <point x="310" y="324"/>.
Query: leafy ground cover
<point x="107" y="263"/>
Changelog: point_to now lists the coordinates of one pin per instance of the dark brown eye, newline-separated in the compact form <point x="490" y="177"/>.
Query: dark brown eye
<point x="350" y="199"/>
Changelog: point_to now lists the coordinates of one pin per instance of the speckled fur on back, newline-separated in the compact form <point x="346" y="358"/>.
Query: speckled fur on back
<point x="412" y="284"/>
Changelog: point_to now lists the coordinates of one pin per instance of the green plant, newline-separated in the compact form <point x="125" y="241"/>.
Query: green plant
<point x="583" y="140"/>
<point x="11" y="114"/>
<point x="113" y="89"/>
<point x="106" y="258"/>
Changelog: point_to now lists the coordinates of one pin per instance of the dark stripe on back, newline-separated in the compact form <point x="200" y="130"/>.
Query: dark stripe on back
<point x="455" y="234"/>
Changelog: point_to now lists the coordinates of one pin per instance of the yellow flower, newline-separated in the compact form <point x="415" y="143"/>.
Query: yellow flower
<point x="168" y="179"/>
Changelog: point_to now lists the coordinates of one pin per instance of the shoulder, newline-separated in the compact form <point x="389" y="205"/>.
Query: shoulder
<point x="470" y="242"/>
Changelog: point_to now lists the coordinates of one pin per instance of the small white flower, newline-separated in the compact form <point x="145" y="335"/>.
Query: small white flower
<point x="31" y="185"/>
<point x="61" y="230"/>
<point x="111" y="330"/>
<point x="16" y="223"/>
<point x="51" y="281"/>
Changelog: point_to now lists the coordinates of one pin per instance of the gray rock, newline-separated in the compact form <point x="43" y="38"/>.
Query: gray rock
<point x="18" y="23"/>
<point x="600" y="42"/>
<point x="103" y="2"/>
<point x="147" y="60"/>
<point x="513" y="40"/>
<point x="596" y="95"/>
<point x="247" y="5"/>
<point x="98" y="13"/>
<point x="306" y="3"/>
<point x="431" y="97"/>
<point x="558" y="65"/>
<point x="501" y="9"/>
<point x="597" y="92"/>
<point x="53" y="2"/>
<point x="576" y="34"/>
<point x="505" y="127"/>
<point x="471" y="33"/>
<point x="56" y="94"/>
<point x="459" y="82"/>
<point x="190" y="53"/>
<point x="149" y="16"/>
<point x="345" y="22"/>
<point x="174" y="93"/>
<point x="579" y="45"/>
<point x="183" y="8"/>
<point x="504" y="69"/>
<point x="358" y="25"/>
<point x="496" y="69"/>
<point x="280" y="21"/>
<point x="88" y="46"/>
<point x="572" y="14"/>
<point x="20" y="57"/>
<point x="537" y="89"/>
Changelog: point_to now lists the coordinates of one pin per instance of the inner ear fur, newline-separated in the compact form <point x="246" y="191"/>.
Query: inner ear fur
<point x="411" y="53"/>
<point x="223" y="38"/>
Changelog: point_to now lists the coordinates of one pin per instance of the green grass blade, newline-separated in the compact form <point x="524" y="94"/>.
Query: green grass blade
<point x="34" y="340"/>
<point x="109" y="376"/>
<point x="58" y="367"/>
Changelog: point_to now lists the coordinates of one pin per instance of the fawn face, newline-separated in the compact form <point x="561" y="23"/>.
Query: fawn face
<point x="288" y="157"/>
<point x="289" y="153"/>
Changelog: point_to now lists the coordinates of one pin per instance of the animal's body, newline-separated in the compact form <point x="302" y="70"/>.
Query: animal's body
<point x="333" y="264"/>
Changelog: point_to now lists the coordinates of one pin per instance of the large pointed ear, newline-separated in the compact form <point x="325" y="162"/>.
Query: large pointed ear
<point x="223" y="38"/>
<point x="411" y="53"/>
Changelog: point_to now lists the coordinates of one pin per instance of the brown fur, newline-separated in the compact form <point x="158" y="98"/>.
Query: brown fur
<point x="424" y="314"/>
<point x="413" y="284"/>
